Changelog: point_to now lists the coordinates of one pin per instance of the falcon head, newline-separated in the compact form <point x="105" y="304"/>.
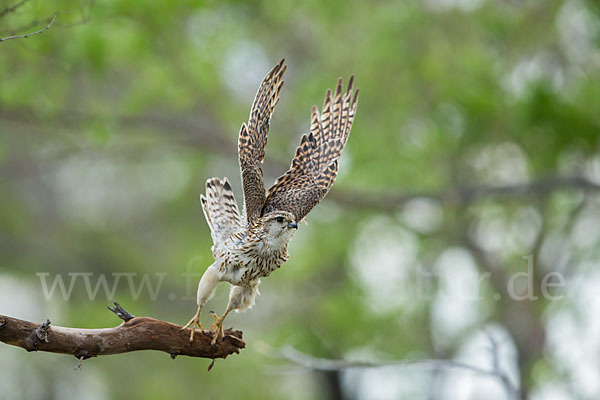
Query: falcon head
<point x="279" y="227"/>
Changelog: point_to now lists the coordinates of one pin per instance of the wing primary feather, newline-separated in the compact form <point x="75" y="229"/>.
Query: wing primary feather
<point x="326" y="116"/>
<point x="337" y="106"/>
<point x="314" y="168"/>
<point x="220" y="209"/>
<point x="253" y="140"/>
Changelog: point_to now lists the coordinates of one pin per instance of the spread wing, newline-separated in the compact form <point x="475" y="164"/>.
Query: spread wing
<point x="253" y="139"/>
<point x="220" y="210"/>
<point x="315" y="166"/>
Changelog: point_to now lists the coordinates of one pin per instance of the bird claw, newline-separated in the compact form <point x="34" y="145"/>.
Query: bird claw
<point x="192" y="324"/>
<point x="216" y="328"/>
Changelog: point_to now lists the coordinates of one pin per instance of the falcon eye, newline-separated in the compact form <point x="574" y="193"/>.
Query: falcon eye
<point x="279" y="219"/>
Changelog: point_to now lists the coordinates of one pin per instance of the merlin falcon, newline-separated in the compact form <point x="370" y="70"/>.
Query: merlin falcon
<point x="251" y="245"/>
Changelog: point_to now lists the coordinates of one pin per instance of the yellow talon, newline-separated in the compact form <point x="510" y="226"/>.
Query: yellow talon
<point x="217" y="328"/>
<point x="192" y="324"/>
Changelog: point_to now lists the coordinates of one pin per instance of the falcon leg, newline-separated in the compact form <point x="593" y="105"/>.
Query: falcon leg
<point x="240" y="298"/>
<point x="217" y="326"/>
<point x="195" y="321"/>
<point x="205" y="289"/>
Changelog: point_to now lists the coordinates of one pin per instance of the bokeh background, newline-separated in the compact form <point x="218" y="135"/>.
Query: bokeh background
<point x="472" y="172"/>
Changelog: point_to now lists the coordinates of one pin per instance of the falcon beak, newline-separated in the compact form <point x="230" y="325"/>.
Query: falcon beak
<point x="293" y="224"/>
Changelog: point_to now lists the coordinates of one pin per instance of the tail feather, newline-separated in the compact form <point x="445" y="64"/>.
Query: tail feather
<point x="220" y="209"/>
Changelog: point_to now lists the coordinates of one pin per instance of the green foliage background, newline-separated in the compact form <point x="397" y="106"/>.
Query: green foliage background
<point x="110" y="126"/>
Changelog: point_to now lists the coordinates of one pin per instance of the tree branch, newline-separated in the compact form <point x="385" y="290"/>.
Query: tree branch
<point x="323" y="364"/>
<point x="464" y="195"/>
<point x="30" y="34"/>
<point x="510" y="390"/>
<point x="12" y="8"/>
<point x="134" y="334"/>
<point x="121" y="312"/>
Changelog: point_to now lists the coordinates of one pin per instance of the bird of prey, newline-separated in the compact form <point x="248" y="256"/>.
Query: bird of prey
<point x="251" y="245"/>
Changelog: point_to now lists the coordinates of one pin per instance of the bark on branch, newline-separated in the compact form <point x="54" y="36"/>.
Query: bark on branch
<point x="135" y="333"/>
